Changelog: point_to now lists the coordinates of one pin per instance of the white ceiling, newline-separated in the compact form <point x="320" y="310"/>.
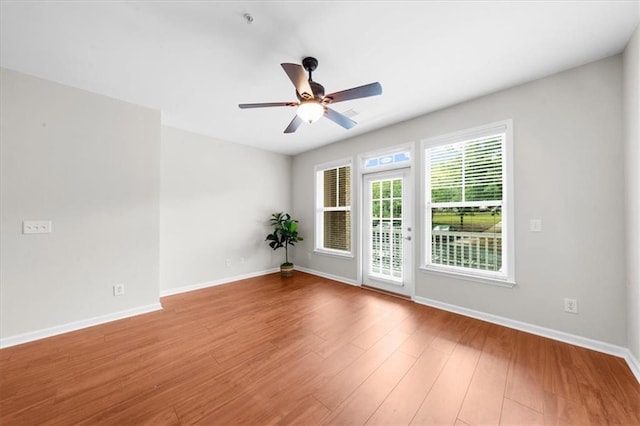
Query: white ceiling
<point x="196" y="60"/>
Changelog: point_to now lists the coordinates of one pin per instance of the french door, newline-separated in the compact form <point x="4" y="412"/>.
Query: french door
<point x="387" y="226"/>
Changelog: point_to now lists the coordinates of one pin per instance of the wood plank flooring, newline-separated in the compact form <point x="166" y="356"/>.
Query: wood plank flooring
<point x="306" y="350"/>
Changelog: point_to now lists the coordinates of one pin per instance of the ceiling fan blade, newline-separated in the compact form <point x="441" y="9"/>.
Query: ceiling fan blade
<point x="267" y="104"/>
<point x="299" y="79"/>
<point x="367" y="90"/>
<point x="340" y="119"/>
<point x="293" y="126"/>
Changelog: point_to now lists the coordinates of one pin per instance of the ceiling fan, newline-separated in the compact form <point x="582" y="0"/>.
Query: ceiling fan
<point x="312" y="102"/>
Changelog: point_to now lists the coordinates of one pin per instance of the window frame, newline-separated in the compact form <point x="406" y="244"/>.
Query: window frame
<point x="506" y="277"/>
<point x="320" y="209"/>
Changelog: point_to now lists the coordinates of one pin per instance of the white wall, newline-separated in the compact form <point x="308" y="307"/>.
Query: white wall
<point x="568" y="156"/>
<point x="631" y="60"/>
<point x="91" y="165"/>
<point x="216" y="200"/>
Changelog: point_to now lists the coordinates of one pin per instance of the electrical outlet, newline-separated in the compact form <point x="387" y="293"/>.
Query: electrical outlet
<point x="36" y="227"/>
<point x="227" y="263"/>
<point x="570" y="305"/>
<point x="118" y="289"/>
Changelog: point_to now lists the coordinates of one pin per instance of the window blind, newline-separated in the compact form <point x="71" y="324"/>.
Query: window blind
<point x="466" y="203"/>
<point x="337" y="208"/>
<point x="467" y="171"/>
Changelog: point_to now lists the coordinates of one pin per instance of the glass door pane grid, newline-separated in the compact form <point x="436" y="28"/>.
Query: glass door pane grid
<point x="386" y="229"/>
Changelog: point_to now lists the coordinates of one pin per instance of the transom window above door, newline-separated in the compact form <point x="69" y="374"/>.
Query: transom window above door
<point x="397" y="159"/>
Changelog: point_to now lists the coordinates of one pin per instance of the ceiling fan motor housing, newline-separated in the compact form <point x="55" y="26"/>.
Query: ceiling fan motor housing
<point x="310" y="64"/>
<point x="313" y="103"/>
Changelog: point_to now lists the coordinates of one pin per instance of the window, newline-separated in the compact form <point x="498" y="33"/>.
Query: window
<point x="333" y="209"/>
<point x="397" y="159"/>
<point x="468" y="209"/>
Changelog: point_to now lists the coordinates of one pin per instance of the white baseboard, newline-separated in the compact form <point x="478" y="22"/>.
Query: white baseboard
<point x="90" y="322"/>
<point x="6" y="342"/>
<point x="633" y="364"/>
<point x="561" y="336"/>
<point x="327" y="276"/>
<point x="227" y="280"/>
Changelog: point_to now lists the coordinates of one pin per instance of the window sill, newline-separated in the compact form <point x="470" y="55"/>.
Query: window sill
<point x="499" y="282"/>
<point x="334" y="253"/>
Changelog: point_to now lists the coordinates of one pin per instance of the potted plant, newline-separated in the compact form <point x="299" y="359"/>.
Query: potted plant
<point x="285" y="234"/>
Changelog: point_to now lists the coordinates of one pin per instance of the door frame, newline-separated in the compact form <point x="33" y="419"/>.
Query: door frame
<point x="360" y="211"/>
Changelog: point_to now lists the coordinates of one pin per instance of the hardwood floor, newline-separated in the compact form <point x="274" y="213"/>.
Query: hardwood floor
<point x="306" y="350"/>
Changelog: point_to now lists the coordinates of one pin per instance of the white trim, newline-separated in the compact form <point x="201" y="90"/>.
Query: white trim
<point x="633" y="364"/>
<point x="508" y="277"/>
<point x="471" y="133"/>
<point x="327" y="276"/>
<point x="584" y="342"/>
<point x="356" y="217"/>
<point x="334" y="253"/>
<point x="478" y="278"/>
<point x="406" y="285"/>
<point x="360" y="172"/>
<point x="200" y="286"/>
<point x="319" y="208"/>
<point x="560" y="336"/>
<point x="407" y="146"/>
<point x="346" y="161"/>
<point x="76" y="325"/>
<point x="397" y="149"/>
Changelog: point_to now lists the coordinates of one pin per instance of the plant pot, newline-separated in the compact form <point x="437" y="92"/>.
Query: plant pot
<point x="286" y="270"/>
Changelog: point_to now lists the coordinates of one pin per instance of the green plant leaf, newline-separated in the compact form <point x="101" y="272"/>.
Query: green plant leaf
<point x="285" y="232"/>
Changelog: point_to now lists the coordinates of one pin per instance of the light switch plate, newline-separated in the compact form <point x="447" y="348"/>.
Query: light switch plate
<point x="36" y="227"/>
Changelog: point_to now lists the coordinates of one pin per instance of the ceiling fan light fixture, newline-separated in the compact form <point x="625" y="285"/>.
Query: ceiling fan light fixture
<point x="310" y="111"/>
<point x="312" y="102"/>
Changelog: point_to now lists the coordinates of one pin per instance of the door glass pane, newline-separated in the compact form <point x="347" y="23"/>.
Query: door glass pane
<point x="385" y="242"/>
<point x="375" y="247"/>
<point x="397" y="188"/>
<point x="397" y="208"/>
<point x="386" y="208"/>
<point x="386" y="189"/>
<point x="375" y="190"/>
<point x="375" y="208"/>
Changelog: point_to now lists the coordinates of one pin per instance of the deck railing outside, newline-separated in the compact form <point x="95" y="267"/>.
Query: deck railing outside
<point x="478" y="250"/>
